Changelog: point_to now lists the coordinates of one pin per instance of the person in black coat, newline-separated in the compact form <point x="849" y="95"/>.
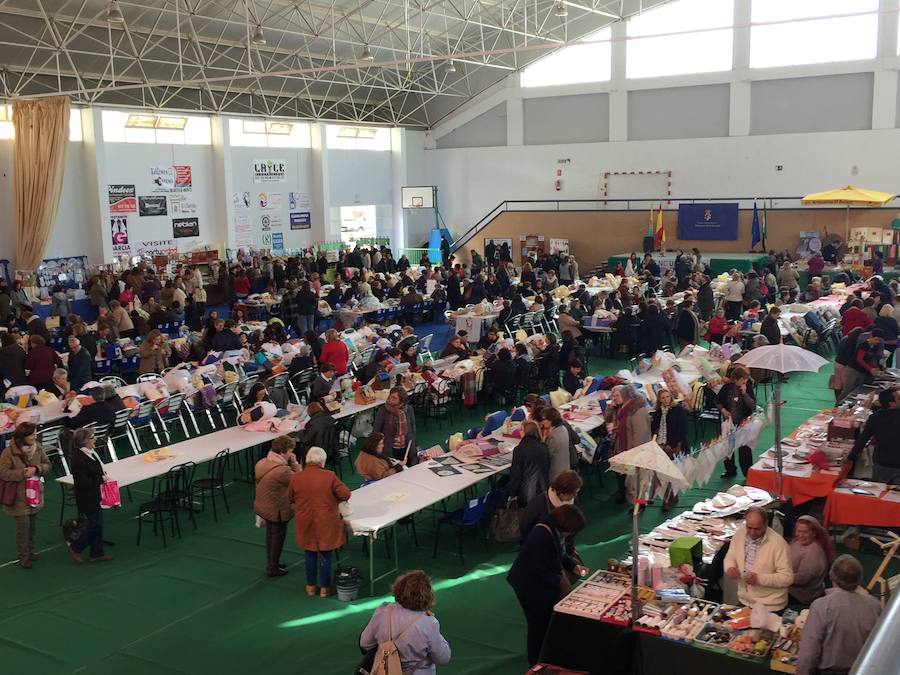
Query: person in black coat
<point x="656" y="331"/>
<point x="563" y="490"/>
<point x="705" y="298"/>
<point x="320" y="432"/>
<point x="536" y="574"/>
<point x="501" y="373"/>
<point x="88" y="475"/>
<point x="80" y="363"/>
<point x="572" y="379"/>
<point x="454" y="295"/>
<point x="12" y="360"/>
<point x="100" y="412"/>
<point x="529" y="473"/>
<point x="736" y="402"/>
<point x="770" y="328"/>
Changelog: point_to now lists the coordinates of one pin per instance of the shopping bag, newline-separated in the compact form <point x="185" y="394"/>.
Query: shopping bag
<point x="34" y="492"/>
<point x="109" y="494"/>
<point x="505" y="524"/>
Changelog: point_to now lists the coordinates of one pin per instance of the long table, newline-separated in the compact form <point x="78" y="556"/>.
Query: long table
<point x="198" y="450"/>
<point x="381" y="504"/>
<point x="844" y="507"/>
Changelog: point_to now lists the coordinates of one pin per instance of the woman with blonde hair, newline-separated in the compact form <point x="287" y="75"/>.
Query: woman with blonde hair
<point x="155" y="352"/>
<point x="335" y="352"/>
<point x="410" y="624"/>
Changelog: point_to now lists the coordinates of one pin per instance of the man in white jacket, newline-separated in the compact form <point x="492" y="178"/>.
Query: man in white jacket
<point x="761" y="559"/>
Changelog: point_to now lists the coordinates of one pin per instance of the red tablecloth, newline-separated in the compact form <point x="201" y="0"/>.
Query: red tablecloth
<point x="800" y="490"/>
<point x="844" y="508"/>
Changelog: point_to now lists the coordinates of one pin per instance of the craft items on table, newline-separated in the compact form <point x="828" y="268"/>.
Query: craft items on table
<point x="688" y="620"/>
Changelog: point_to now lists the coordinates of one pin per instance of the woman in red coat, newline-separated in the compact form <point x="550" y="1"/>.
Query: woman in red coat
<point x="718" y="327"/>
<point x="335" y="352"/>
<point x="318" y="525"/>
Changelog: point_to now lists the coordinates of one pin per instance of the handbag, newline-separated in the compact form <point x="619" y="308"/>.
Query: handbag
<point x="109" y="494"/>
<point x="8" y="491"/>
<point x="505" y="524"/>
<point x="74" y="528"/>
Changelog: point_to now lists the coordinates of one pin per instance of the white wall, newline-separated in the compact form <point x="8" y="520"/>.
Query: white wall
<point x="474" y="180"/>
<point x="361" y="177"/>
<point x="130" y="163"/>
<point x="298" y="178"/>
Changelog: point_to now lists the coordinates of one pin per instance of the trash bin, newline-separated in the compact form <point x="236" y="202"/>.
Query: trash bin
<point x="347" y="581"/>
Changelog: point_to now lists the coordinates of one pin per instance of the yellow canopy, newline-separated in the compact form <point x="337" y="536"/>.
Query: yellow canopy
<point x="851" y="196"/>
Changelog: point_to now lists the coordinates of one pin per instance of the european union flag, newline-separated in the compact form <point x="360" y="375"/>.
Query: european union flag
<point x="755" y="235"/>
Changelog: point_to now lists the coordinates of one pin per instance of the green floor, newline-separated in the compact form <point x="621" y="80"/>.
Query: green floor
<point x="204" y="606"/>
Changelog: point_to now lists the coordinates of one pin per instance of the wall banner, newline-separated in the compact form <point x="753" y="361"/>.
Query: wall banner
<point x="277" y="241"/>
<point x="269" y="171"/>
<point x="171" y="178"/>
<point x="119" y="230"/>
<point x="121" y="199"/>
<point x="300" y="221"/>
<point x="185" y="227"/>
<point x="714" y="222"/>
<point x="153" y="205"/>
<point x="156" y="247"/>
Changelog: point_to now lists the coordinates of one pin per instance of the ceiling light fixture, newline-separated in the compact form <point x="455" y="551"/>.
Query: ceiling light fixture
<point x="367" y="54"/>
<point x="259" y="37"/>
<point x="113" y="13"/>
<point x="451" y="67"/>
<point x="560" y="9"/>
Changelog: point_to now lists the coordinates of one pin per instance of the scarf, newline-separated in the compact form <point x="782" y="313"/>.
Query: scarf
<point x="662" y="432"/>
<point x="277" y="458"/>
<point x="400" y="425"/>
<point x="92" y="454"/>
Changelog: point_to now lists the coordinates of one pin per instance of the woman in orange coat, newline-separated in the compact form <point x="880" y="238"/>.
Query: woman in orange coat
<point x="318" y="525"/>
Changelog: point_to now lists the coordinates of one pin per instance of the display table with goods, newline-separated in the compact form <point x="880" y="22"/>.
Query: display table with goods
<point x="811" y="457"/>
<point x="378" y="506"/>
<point x="593" y="628"/>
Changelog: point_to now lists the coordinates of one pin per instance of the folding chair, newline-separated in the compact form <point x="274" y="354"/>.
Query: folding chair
<point x="299" y="384"/>
<point x="225" y="398"/>
<point x="213" y="483"/>
<point x="168" y="410"/>
<point x="468" y="517"/>
<point x="142" y="419"/>
<point x="121" y="429"/>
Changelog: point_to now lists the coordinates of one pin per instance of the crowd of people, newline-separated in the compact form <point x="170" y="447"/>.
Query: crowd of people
<point x="294" y="485"/>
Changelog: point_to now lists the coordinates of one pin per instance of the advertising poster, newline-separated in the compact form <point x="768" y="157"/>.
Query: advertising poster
<point x="269" y="171"/>
<point x="171" y="178"/>
<point x="243" y="232"/>
<point x="269" y="201"/>
<point x="153" y="205"/>
<point x="185" y="227"/>
<point x="277" y="241"/>
<point x="121" y="199"/>
<point x="119" y="230"/>
<point x="265" y="222"/>
<point x="240" y="200"/>
<point x="298" y="200"/>
<point x="300" y="221"/>
<point x="183" y="178"/>
<point x="183" y="205"/>
<point x="276" y="221"/>
<point x="157" y="247"/>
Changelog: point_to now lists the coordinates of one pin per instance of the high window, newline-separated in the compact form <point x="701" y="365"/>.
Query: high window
<point x="588" y="62"/>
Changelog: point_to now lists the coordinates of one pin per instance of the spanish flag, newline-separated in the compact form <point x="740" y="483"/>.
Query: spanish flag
<point x="659" y="234"/>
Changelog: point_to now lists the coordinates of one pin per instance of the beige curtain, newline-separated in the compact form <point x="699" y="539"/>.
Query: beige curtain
<point x="39" y="160"/>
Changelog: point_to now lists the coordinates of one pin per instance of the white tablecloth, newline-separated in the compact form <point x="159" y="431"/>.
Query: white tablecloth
<point x="384" y="502"/>
<point x="201" y="449"/>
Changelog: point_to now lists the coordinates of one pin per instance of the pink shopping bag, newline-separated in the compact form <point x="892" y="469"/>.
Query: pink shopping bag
<point x="34" y="492"/>
<point x="109" y="494"/>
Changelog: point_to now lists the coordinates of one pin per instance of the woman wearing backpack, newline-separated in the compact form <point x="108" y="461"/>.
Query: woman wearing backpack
<point x="406" y="631"/>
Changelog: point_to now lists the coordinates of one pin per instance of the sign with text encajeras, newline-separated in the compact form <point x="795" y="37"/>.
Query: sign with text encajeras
<point x="708" y="221"/>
